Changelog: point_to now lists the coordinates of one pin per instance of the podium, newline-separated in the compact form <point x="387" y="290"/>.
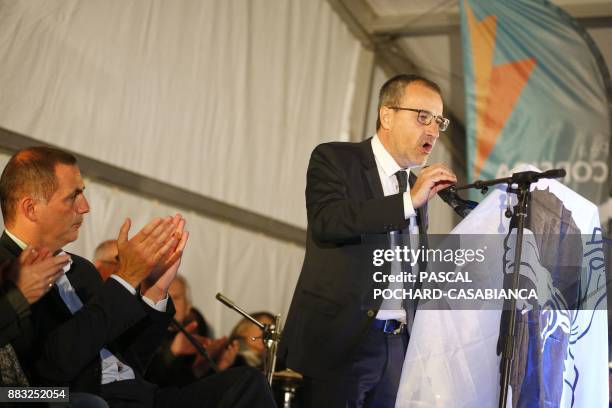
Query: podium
<point x="561" y="352"/>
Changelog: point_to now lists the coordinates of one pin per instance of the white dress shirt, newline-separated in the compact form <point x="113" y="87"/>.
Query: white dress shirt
<point x="387" y="167"/>
<point x="112" y="368"/>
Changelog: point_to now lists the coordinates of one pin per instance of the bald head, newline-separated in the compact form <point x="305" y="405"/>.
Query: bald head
<point x="106" y="258"/>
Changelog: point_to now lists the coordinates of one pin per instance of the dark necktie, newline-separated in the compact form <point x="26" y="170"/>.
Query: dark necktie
<point x="409" y="306"/>
<point x="402" y="181"/>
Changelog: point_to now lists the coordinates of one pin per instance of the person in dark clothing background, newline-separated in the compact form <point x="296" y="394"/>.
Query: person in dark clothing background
<point x="177" y="362"/>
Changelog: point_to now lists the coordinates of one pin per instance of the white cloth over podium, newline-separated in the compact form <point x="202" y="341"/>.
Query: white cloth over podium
<point x="451" y="359"/>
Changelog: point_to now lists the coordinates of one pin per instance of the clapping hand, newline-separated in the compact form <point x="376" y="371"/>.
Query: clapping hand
<point x="221" y="350"/>
<point x="156" y="285"/>
<point x="181" y="346"/>
<point x="35" y="272"/>
<point x="141" y="253"/>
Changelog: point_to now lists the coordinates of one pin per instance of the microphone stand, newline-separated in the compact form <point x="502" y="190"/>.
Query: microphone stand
<point x="523" y="176"/>
<point x="271" y="336"/>
<point x="507" y="342"/>
<point x="523" y="181"/>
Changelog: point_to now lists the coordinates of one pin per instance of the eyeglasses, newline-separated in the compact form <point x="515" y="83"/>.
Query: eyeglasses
<point x="425" y="117"/>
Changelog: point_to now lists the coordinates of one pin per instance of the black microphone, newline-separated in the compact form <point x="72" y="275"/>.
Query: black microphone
<point x="523" y="177"/>
<point x="533" y="176"/>
<point x="462" y="207"/>
<point x="554" y="173"/>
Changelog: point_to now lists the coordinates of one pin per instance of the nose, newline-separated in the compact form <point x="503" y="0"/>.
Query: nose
<point x="433" y="129"/>
<point x="83" y="207"/>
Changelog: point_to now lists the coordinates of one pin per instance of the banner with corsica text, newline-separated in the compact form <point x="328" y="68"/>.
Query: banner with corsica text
<point x="537" y="92"/>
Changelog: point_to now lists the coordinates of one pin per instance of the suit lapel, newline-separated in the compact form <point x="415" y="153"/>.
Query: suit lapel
<point x="370" y="170"/>
<point x="84" y="284"/>
<point x="10" y="245"/>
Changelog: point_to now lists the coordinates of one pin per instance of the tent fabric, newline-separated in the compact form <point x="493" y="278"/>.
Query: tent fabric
<point x="224" y="98"/>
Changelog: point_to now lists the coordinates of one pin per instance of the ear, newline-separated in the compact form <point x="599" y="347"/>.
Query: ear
<point x="386" y="117"/>
<point x="27" y="208"/>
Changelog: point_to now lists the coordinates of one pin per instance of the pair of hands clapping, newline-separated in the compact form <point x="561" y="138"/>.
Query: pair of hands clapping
<point x="151" y="258"/>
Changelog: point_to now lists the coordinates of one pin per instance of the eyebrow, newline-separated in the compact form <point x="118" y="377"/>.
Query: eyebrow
<point x="76" y="192"/>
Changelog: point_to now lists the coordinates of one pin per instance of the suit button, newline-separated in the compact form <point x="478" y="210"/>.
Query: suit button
<point x="370" y="313"/>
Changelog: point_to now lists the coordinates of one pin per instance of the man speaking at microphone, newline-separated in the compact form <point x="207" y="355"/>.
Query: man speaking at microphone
<point x="351" y="355"/>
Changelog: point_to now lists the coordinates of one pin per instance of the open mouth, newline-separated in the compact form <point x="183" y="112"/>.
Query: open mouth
<point x="427" y="147"/>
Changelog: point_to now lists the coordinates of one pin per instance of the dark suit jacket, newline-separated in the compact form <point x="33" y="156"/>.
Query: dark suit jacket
<point x="329" y="313"/>
<point x="14" y="313"/>
<point x="14" y="323"/>
<point x="64" y="349"/>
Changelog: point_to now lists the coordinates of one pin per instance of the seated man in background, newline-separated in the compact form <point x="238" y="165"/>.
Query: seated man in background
<point x="250" y="337"/>
<point x="106" y="258"/>
<point x="93" y="336"/>
<point x="177" y="362"/>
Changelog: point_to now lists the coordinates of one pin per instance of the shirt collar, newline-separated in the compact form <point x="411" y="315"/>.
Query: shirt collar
<point x="384" y="159"/>
<point x="19" y="242"/>
<point x="23" y="246"/>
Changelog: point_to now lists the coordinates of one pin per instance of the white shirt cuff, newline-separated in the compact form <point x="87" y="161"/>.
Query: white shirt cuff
<point x="124" y="284"/>
<point x="408" y="208"/>
<point x="159" y="306"/>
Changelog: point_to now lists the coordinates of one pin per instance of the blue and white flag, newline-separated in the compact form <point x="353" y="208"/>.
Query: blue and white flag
<point x="561" y="356"/>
